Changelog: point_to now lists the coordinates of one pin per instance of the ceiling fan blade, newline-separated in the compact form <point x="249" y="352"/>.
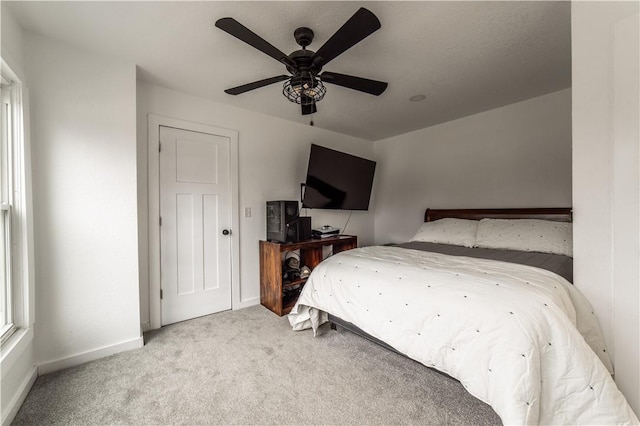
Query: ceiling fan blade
<point x="243" y="33"/>
<point x="308" y="106"/>
<point x="357" y="28"/>
<point x="372" y="87"/>
<point x="256" y="85"/>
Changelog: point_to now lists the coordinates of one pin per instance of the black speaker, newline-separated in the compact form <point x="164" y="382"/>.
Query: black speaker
<point x="302" y="229"/>
<point x="280" y="215"/>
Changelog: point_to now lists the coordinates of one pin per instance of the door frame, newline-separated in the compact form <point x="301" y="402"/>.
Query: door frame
<point x="153" y="185"/>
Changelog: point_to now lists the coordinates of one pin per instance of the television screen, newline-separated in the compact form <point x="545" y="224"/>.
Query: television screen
<point x="336" y="180"/>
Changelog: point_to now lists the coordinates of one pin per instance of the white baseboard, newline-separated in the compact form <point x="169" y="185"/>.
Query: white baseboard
<point x="145" y="326"/>
<point x="59" y="364"/>
<point x="16" y="402"/>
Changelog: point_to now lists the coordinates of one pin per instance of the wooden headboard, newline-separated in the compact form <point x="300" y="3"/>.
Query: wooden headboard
<point x="559" y="214"/>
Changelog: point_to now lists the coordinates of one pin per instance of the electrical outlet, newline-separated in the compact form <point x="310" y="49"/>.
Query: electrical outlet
<point x="247" y="212"/>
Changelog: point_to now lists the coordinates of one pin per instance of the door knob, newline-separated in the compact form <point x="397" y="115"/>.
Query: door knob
<point x="226" y="232"/>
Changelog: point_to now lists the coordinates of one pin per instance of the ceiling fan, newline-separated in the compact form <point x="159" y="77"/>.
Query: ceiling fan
<point x="305" y="84"/>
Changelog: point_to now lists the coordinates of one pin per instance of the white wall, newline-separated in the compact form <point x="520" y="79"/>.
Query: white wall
<point x="606" y="176"/>
<point x="273" y="156"/>
<point x="12" y="49"/>
<point x="83" y="132"/>
<point x="514" y="156"/>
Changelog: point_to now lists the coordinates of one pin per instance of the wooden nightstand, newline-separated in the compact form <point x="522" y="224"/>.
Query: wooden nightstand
<point x="272" y="287"/>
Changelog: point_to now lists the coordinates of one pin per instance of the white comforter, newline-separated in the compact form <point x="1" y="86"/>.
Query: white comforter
<point x="522" y="339"/>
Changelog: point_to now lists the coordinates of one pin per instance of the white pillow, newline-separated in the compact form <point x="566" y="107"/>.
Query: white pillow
<point x="458" y="232"/>
<point x="526" y="235"/>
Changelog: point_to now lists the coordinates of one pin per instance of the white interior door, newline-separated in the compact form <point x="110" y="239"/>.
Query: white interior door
<point x="195" y="211"/>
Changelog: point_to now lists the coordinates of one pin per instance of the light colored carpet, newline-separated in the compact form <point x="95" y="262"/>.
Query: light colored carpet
<point x="249" y="367"/>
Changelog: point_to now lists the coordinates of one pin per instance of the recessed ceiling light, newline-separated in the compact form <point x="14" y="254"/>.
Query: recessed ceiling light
<point x="417" y="98"/>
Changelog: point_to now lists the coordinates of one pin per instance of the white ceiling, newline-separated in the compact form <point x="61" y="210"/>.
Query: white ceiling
<point x="465" y="57"/>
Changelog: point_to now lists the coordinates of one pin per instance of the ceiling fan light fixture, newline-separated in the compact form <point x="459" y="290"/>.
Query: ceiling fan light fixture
<point x="304" y="88"/>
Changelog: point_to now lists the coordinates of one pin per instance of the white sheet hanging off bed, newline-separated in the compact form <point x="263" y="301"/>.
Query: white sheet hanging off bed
<point x="519" y="338"/>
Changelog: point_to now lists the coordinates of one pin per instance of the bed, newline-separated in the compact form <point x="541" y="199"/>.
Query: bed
<point x="479" y="295"/>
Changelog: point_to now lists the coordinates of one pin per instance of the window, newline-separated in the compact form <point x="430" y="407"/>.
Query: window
<point x="12" y="290"/>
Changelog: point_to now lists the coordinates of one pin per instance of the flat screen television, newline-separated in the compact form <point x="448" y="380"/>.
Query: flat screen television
<point x="336" y="180"/>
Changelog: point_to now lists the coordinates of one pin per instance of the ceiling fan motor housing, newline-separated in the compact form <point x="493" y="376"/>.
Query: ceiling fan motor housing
<point x="303" y="59"/>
